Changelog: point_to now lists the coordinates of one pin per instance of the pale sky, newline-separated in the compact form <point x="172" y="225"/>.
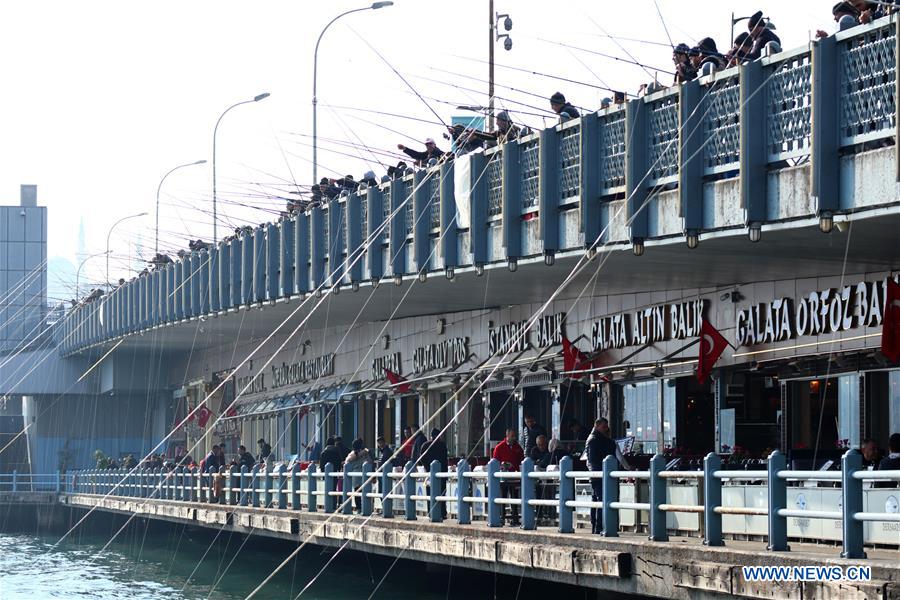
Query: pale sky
<point x="103" y="97"/>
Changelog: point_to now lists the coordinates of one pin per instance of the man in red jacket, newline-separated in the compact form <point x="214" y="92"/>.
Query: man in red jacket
<point x="510" y="455"/>
<point x="509" y="451"/>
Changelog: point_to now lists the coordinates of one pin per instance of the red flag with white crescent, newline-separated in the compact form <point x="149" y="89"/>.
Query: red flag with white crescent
<point x="712" y="345"/>
<point x="398" y="381"/>
<point x="203" y="415"/>
<point x="573" y="358"/>
<point x="890" y="322"/>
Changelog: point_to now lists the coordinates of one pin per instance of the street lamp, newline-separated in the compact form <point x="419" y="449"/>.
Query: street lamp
<point x="256" y="98"/>
<point x="315" y="138"/>
<point x="109" y="234"/>
<point x="78" y="271"/>
<point x="199" y="162"/>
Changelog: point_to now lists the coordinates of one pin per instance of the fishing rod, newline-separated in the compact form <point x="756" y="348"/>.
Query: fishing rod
<point x="663" y="21"/>
<point x="512" y="89"/>
<point x="621" y="47"/>
<point x="629" y="39"/>
<point x="348" y="144"/>
<point x="383" y="113"/>
<point x="397" y="73"/>
<point x="539" y="74"/>
<point x="501" y="98"/>
<point x="618" y="58"/>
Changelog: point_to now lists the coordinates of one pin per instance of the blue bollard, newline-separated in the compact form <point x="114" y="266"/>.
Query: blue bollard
<point x="58" y="481"/>
<point x="15" y="482"/>
<point x="387" y="485"/>
<point x="230" y="497"/>
<point x="434" y="505"/>
<point x="280" y="495"/>
<point x="712" y="498"/>
<point x="366" y="501"/>
<point x="296" y="499"/>
<point x="267" y="486"/>
<point x="657" y="497"/>
<point x="495" y="511"/>
<point x="254" y="486"/>
<point x="329" y="489"/>
<point x="311" y="481"/>
<point x="527" y="488"/>
<point x="346" y="488"/>
<point x="777" y="501"/>
<point x="409" y="489"/>
<point x="566" y="494"/>
<point x="852" y="496"/>
<point x="243" y="492"/>
<point x="463" y="490"/>
<point x="610" y="495"/>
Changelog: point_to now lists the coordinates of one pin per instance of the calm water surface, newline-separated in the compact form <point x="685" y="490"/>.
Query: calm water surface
<point x="173" y="562"/>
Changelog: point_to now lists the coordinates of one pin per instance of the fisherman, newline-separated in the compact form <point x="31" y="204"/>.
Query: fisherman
<point x="709" y="54"/>
<point x="422" y="158"/>
<point x="265" y="450"/>
<point x="245" y="459"/>
<point x="845" y="14"/>
<point x="563" y="108"/>
<point x="743" y="43"/>
<point x="506" y="131"/>
<point x="761" y="30"/>
<point x="684" y="70"/>
<point x="464" y="138"/>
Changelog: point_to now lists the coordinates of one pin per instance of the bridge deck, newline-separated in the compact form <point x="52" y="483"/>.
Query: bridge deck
<point x="681" y="568"/>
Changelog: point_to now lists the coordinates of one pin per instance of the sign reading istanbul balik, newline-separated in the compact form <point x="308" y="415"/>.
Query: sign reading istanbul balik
<point x="391" y="362"/>
<point x="649" y="325"/>
<point x="447" y="354"/>
<point x="514" y="337"/>
<point x="820" y="312"/>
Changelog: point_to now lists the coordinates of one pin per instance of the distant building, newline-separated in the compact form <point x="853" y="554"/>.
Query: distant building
<point x="23" y="270"/>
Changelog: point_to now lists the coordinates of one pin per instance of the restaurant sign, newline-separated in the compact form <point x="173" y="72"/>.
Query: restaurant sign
<point x="514" y="337"/>
<point x="302" y="371"/>
<point x="447" y="354"/>
<point x="391" y="362"/>
<point x="820" y="312"/>
<point x="650" y="325"/>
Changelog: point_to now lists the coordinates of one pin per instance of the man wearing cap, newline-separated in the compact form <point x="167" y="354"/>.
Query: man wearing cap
<point x="845" y="14"/>
<point x="709" y="54"/>
<point x="565" y="110"/>
<point x="506" y="131"/>
<point x="422" y="158"/>
<point x="743" y="43"/>
<point x="684" y="70"/>
<point x="761" y="31"/>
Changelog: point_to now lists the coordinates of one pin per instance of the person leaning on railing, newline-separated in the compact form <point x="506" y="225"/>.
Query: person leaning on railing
<point x="600" y="445"/>
<point x="510" y="456"/>
<point x="891" y="462"/>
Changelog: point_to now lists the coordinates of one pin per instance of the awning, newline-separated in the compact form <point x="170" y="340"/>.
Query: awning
<point x="298" y="400"/>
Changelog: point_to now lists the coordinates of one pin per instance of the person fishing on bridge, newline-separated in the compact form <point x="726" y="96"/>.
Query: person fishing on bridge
<point x="564" y="109"/>
<point x="422" y="158"/>
<point x="684" y="70"/>
<point x="762" y="32"/>
<point x="737" y="56"/>
<point x="506" y="130"/>
<point x="464" y="139"/>
<point x="706" y="53"/>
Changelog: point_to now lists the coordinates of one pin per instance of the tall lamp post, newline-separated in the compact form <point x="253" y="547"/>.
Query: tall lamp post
<point x="375" y="6"/>
<point x="78" y="271"/>
<point x="199" y="162"/>
<point x="256" y="98"/>
<point x="109" y="234"/>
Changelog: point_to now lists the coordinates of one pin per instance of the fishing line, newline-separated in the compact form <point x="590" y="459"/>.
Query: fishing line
<point x="663" y="21"/>
<point x="578" y="267"/>
<point x="613" y="57"/>
<point x="621" y="47"/>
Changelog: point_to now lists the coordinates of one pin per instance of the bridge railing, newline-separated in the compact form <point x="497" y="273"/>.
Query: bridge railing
<point x="32" y="482"/>
<point x="530" y="497"/>
<point x="812" y="105"/>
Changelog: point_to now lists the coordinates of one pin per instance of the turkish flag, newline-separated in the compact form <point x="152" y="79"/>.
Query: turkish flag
<point x="397" y="381"/>
<point x="203" y="415"/>
<point x="573" y="358"/>
<point x="231" y="412"/>
<point x="890" y="331"/>
<point x="712" y="345"/>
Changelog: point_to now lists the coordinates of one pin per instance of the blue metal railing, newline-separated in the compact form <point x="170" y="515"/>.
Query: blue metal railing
<point x="534" y="494"/>
<point x="741" y="122"/>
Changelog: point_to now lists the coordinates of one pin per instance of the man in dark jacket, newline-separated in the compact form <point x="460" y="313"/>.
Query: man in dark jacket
<point x="212" y="460"/>
<point x="761" y="30"/>
<point x="532" y="430"/>
<point x="891" y="462"/>
<point x="599" y="446"/>
<point x="331" y="454"/>
<point x="564" y="109"/>
<point x="418" y="445"/>
<point x="342" y="448"/>
<point x="684" y="70"/>
<point x="384" y="454"/>
<point x="264" y="450"/>
<point x="422" y="158"/>
<point x="245" y="459"/>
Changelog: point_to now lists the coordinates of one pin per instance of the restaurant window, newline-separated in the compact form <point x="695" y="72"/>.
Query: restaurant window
<point x="504" y="413"/>
<point x="641" y="414"/>
<point x="894" y="403"/>
<point x="848" y="410"/>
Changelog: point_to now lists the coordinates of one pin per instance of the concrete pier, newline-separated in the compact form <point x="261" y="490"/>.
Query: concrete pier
<point x="679" y="569"/>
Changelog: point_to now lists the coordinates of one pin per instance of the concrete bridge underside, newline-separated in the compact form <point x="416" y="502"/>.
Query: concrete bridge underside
<point x="682" y="568"/>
